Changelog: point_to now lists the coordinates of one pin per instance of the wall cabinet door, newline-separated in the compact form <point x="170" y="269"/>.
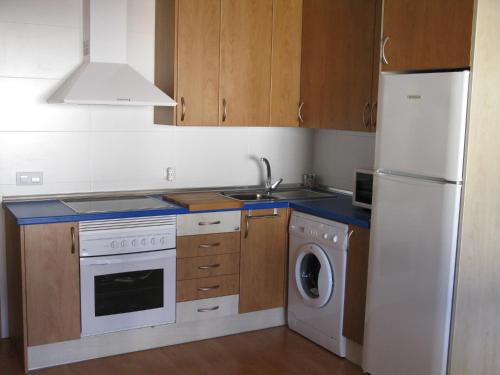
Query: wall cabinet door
<point x="52" y="282"/>
<point x="356" y="279"/>
<point x="427" y="34"/>
<point x="264" y="249"/>
<point x="285" y="65"/>
<point x="198" y="33"/>
<point x="337" y="63"/>
<point x="245" y="52"/>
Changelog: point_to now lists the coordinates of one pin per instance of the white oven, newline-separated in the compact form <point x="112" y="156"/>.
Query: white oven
<point x="127" y="273"/>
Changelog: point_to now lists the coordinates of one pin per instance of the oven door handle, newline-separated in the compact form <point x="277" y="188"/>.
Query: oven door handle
<point x="125" y="259"/>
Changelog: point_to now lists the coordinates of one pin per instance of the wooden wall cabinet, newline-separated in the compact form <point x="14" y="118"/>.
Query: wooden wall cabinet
<point x="264" y="257"/>
<point x="226" y="62"/>
<point x="355" y="284"/>
<point x="44" y="282"/>
<point x="339" y="74"/>
<point x="427" y="34"/>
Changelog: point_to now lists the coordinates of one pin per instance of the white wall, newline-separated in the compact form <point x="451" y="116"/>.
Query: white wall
<point x="92" y="148"/>
<point x="338" y="153"/>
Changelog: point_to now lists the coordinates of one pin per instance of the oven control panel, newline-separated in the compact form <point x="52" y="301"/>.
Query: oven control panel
<point x="121" y="236"/>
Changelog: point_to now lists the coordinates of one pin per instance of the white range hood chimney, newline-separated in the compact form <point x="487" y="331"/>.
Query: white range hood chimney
<point x="104" y="76"/>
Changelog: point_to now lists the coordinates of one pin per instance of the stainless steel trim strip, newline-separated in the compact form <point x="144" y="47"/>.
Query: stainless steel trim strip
<point x="438" y="180"/>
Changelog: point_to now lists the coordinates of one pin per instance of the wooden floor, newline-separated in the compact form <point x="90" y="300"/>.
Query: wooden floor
<point x="270" y="351"/>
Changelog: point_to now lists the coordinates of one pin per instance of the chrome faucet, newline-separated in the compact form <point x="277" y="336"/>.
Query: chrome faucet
<point x="270" y="186"/>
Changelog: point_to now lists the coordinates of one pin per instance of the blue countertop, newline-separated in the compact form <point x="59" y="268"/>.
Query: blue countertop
<point x="338" y="208"/>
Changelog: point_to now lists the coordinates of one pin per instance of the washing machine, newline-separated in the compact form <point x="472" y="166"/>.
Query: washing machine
<point x="316" y="280"/>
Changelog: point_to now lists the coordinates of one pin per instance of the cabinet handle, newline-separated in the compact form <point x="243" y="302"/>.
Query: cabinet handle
<point x="73" y="240"/>
<point x="208" y="288"/>
<point x="209" y="222"/>
<point x="224" y="110"/>
<point x="373" y="115"/>
<point x="208" y="245"/>
<point x="183" y="106"/>
<point x="252" y="217"/>
<point x="209" y="266"/>
<point x="299" y="112"/>
<point x="206" y="309"/>
<point x="366" y="123"/>
<point x="384" y="58"/>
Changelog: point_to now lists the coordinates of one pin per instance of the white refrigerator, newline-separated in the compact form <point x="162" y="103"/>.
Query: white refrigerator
<point x="415" y="217"/>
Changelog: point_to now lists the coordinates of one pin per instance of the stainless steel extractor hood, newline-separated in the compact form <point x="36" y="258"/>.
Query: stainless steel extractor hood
<point x="104" y="77"/>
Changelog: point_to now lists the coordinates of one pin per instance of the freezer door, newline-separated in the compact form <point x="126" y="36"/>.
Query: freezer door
<point x="410" y="276"/>
<point x="422" y="121"/>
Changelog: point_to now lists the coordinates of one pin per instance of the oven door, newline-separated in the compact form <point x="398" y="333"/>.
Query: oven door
<point x="127" y="291"/>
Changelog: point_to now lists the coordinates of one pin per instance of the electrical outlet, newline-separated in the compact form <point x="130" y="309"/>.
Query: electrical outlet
<point x="169" y="173"/>
<point x="29" y="178"/>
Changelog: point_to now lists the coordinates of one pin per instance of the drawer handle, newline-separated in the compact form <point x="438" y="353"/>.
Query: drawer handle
<point x="209" y="245"/>
<point x="209" y="222"/>
<point x="208" y="288"/>
<point x="207" y="309"/>
<point x="209" y="266"/>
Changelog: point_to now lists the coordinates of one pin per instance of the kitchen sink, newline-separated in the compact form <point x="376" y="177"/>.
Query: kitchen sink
<point x="278" y="195"/>
<point x="301" y="194"/>
<point x="250" y="196"/>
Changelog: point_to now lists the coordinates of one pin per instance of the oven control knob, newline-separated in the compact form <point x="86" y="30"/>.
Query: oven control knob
<point x="153" y="241"/>
<point x="134" y="243"/>
<point x="144" y="242"/>
<point x="114" y="244"/>
<point x="124" y="243"/>
<point x="335" y="239"/>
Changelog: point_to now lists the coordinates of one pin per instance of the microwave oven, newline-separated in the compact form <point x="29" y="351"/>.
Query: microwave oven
<point x="363" y="188"/>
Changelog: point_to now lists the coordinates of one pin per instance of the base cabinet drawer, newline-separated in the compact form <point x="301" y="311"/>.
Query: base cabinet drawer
<point x="207" y="287"/>
<point x="208" y="244"/>
<point x="209" y="222"/>
<point x="209" y="308"/>
<point x="216" y="265"/>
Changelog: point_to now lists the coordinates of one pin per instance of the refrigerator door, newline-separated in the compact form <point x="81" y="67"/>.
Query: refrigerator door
<point x="410" y="276"/>
<point x="422" y="124"/>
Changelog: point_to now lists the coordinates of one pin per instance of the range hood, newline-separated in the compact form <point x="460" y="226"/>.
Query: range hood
<point x="104" y="76"/>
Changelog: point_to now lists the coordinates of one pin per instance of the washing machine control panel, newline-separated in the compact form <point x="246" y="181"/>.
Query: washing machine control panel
<point x="317" y="231"/>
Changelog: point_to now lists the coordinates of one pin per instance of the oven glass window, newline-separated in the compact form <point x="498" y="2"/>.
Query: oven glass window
<point x="125" y="292"/>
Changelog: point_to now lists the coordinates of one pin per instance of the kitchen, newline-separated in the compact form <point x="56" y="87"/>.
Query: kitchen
<point x="65" y="149"/>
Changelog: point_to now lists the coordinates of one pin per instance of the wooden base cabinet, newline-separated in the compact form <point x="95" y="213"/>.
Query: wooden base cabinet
<point x="356" y="279"/>
<point x="43" y="268"/>
<point x="264" y="256"/>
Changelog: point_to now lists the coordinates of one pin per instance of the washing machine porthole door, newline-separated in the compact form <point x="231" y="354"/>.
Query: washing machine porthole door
<point x="314" y="275"/>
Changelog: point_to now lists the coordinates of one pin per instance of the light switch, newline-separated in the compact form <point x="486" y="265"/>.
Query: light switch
<point x="29" y="178"/>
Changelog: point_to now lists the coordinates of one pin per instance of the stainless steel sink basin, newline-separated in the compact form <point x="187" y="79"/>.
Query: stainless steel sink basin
<point x="301" y="194"/>
<point x="250" y="196"/>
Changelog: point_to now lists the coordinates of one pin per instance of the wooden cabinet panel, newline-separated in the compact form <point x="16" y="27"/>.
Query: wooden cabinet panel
<point x="245" y="77"/>
<point x="356" y="279"/>
<point x="165" y="57"/>
<point x="263" y="259"/>
<point x="198" y="62"/>
<point x="337" y="55"/>
<point x="215" y="265"/>
<point x="376" y="64"/>
<point x="427" y="34"/>
<point x="52" y="282"/>
<point x="285" y="65"/>
<point x="207" y="287"/>
<point x="208" y="244"/>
